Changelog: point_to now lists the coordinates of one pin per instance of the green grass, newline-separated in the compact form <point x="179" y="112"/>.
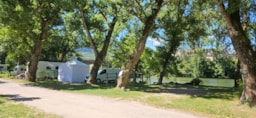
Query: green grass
<point x="9" y="109"/>
<point x="4" y="74"/>
<point x="213" y="102"/>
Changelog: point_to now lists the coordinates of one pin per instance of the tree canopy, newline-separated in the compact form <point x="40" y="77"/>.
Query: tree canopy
<point x="118" y="32"/>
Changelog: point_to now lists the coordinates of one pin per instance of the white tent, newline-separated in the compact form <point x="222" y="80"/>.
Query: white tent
<point x="73" y="71"/>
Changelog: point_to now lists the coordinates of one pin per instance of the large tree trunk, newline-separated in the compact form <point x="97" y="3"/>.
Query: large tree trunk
<point x="242" y="46"/>
<point x="123" y="80"/>
<point x="32" y="66"/>
<point x="36" y="52"/>
<point x="93" y="74"/>
<point x="242" y="99"/>
<point x="100" y="57"/>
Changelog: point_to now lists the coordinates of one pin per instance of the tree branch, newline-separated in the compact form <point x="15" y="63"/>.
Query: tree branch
<point x="85" y="24"/>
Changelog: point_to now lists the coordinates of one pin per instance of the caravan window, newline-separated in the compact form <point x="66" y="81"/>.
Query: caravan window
<point x="48" y="68"/>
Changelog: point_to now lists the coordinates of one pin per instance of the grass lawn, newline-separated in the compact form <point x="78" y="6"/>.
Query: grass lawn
<point x="213" y="102"/>
<point x="9" y="109"/>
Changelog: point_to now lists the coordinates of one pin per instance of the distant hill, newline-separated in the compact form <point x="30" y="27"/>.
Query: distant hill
<point x="86" y="53"/>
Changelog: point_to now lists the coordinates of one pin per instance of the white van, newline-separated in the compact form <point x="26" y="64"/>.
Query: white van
<point x="108" y="75"/>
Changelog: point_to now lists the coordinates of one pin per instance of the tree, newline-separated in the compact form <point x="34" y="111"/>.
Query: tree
<point x="123" y="48"/>
<point x="64" y="39"/>
<point x="31" y="20"/>
<point x="150" y="65"/>
<point x="99" y="21"/>
<point x="17" y="51"/>
<point x="242" y="44"/>
<point x="147" y="13"/>
<point x="174" y="24"/>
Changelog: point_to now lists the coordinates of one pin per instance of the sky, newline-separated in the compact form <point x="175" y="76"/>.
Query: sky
<point x="152" y="43"/>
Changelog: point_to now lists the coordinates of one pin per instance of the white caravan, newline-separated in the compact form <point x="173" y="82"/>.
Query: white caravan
<point x="3" y="67"/>
<point x="106" y="75"/>
<point x="46" y="69"/>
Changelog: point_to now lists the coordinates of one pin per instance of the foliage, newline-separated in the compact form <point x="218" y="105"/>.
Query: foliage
<point x="122" y="49"/>
<point x="65" y="39"/>
<point x="150" y="64"/>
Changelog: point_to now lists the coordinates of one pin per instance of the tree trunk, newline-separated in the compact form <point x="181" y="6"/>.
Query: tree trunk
<point x="123" y="80"/>
<point x="242" y="46"/>
<point x="242" y="99"/>
<point x="62" y="56"/>
<point x="93" y="74"/>
<point x="174" y="44"/>
<point x="99" y="55"/>
<point x="237" y="75"/>
<point x="32" y="66"/>
<point x="164" y="69"/>
<point x="36" y="52"/>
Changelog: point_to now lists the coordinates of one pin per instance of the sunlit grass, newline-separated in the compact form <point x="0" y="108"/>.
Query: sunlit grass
<point x="9" y="109"/>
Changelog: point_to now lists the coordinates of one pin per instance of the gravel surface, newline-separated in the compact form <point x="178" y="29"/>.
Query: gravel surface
<point x="71" y="105"/>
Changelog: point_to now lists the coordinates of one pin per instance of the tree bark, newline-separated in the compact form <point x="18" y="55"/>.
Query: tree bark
<point x="237" y="74"/>
<point x="242" y="46"/>
<point x="163" y="72"/>
<point x="123" y="80"/>
<point x="86" y="27"/>
<point x="242" y="99"/>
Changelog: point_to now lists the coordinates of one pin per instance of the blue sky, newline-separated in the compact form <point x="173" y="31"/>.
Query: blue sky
<point x="152" y="43"/>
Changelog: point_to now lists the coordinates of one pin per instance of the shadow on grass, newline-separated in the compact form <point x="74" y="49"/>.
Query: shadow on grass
<point x="55" y="85"/>
<point x="18" y="98"/>
<point x="178" y="89"/>
<point x="207" y="92"/>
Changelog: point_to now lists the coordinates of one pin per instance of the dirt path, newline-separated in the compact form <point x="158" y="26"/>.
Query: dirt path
<point x="71" y="105"/>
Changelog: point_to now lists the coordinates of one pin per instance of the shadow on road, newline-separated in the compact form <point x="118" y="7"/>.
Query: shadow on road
<point x="2" y="82"/>
<point x="18" y="98"/>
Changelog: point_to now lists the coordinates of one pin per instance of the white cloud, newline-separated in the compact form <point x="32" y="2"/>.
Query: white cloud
<point x="155" y="41"/>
